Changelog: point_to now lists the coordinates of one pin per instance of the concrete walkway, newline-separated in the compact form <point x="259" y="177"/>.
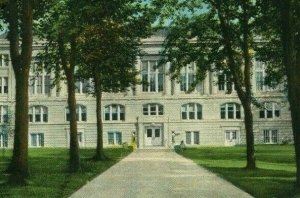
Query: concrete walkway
<point x="158" y="173"/>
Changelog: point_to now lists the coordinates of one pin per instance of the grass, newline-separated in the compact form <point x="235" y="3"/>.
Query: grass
<point x="275" y="176"/>
<point x="48" y="172"/>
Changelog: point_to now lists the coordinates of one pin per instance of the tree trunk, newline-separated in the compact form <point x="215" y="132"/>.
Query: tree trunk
<point x="292" y="65"/>
<point x="249" y="135"/>
<point x="19" y="163"/>
<point x="239" y="81"/>
<point x="21" y="60"/>
<point x="99" y="155"/>
<point x="74" y="160"/>
<point x="246" y="97"/>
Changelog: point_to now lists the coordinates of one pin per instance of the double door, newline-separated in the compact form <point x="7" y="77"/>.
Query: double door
<point x="153" y="136"/>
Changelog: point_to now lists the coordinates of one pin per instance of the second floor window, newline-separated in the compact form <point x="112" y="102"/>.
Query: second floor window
<point x="230" y="111"/>
<point x="269" y="110"/>
<point x="152" y="77"/>
<point x="38" y="114"/>
<point x="191" y="111"/>
<point x="153" y="109"/>
<point x="81" y="113"/>
<point x="114" y="112"/>
<point x="3" y="85"/>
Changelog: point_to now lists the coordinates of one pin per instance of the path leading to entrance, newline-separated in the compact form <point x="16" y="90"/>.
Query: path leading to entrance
<point x="158" y="173"/>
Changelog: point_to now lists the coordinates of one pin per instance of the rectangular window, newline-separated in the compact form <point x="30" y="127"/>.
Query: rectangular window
<point x="4" y="60"/>
<point x="270" y="136"/>
<point x="3" y="85"/>
<point x="37" y="139"/>
<point x="3" y="140"/>
<point x="152" y="77"/>
<point x="114" y="138"/>
<point x="192" y="137"/>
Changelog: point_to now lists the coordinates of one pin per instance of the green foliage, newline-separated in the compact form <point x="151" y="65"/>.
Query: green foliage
<point x="276" y="167"/>
<point x="110" y="40"/>
<point x="49" y="175"/>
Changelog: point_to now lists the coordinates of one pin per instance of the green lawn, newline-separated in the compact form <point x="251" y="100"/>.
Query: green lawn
<point x="48" y="175"/>
<point x="274" y="177"/>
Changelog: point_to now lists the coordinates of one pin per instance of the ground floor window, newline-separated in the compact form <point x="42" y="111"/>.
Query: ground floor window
<point x="231" y="135"/>
<point x="37" y="139"/>
<point x="271" y="136"/>
<point x="80" y="136"/>
<point x="3" y="140"/>
<point x="114" y="137"/>
<point x="192" y="137"/>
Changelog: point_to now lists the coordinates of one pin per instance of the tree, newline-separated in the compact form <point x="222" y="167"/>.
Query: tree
<point x="282" y="19"/>
<point x="20" y="20"/>
<point x="60" y="30"/>
<point x="109" y="47"/>
<point x="219" y="34"/>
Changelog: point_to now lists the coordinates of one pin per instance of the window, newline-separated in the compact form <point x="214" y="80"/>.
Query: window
<point x="3" y="114"/>
<point x="188" y="78"/>
<point x="230" y="111"/>
<point x="153" y="109"/>
<point x="37" y="139"/>
<point x="80" y="136"/>
<point x="231" y="135"/>
<point x="269" y="110"/>
<point x="82" y="87"/>
<point x="81" y="113"/>
<point x="114" y="112"/>
<point x="114" y="138"/>
<point x="39" y="81"/>
<point x="152" y="77"/>
<point x="3" y="85"/>
<point x="3" y="140"/>
<point x="191" y="111"/>
<point x="260" y="75"/>
<point x="38" y="114"/>
<point x="4" y="60"/>
<point x="224" y="83"/>
<point x="192" y="137"/>
<point x="270" y="136"/>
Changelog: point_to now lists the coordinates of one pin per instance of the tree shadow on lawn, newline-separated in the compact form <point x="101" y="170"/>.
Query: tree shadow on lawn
<point x="262" y="183"/>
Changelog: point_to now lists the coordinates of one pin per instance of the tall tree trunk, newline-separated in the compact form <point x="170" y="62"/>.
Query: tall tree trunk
<point x="292" y="63"/>
<point x="21" y="60"/>
<point x="239" y="80"/>
<point x="99" y="155"/>
<point x="246" y="98"/>
<point x="74" y="157"/>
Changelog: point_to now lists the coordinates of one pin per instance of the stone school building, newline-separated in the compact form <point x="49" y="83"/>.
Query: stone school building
<point x="155" y="115"/>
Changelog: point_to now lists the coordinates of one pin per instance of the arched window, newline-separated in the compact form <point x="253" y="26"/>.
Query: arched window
<point x="191" y="111"/>
<point x="269" y="110"/>
<point x="153" y="109"/>
<point x="81" y="113"/>
<point x="38" y="114"/>
<point x="230" y="111"/>
<point x="114" y="112"/>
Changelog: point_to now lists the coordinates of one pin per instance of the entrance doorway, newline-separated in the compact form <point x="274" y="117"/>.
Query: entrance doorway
<point x="153" y="136"/>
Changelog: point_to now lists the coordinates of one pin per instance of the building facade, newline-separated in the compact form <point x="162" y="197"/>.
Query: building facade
<point x="160" y="113"/>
